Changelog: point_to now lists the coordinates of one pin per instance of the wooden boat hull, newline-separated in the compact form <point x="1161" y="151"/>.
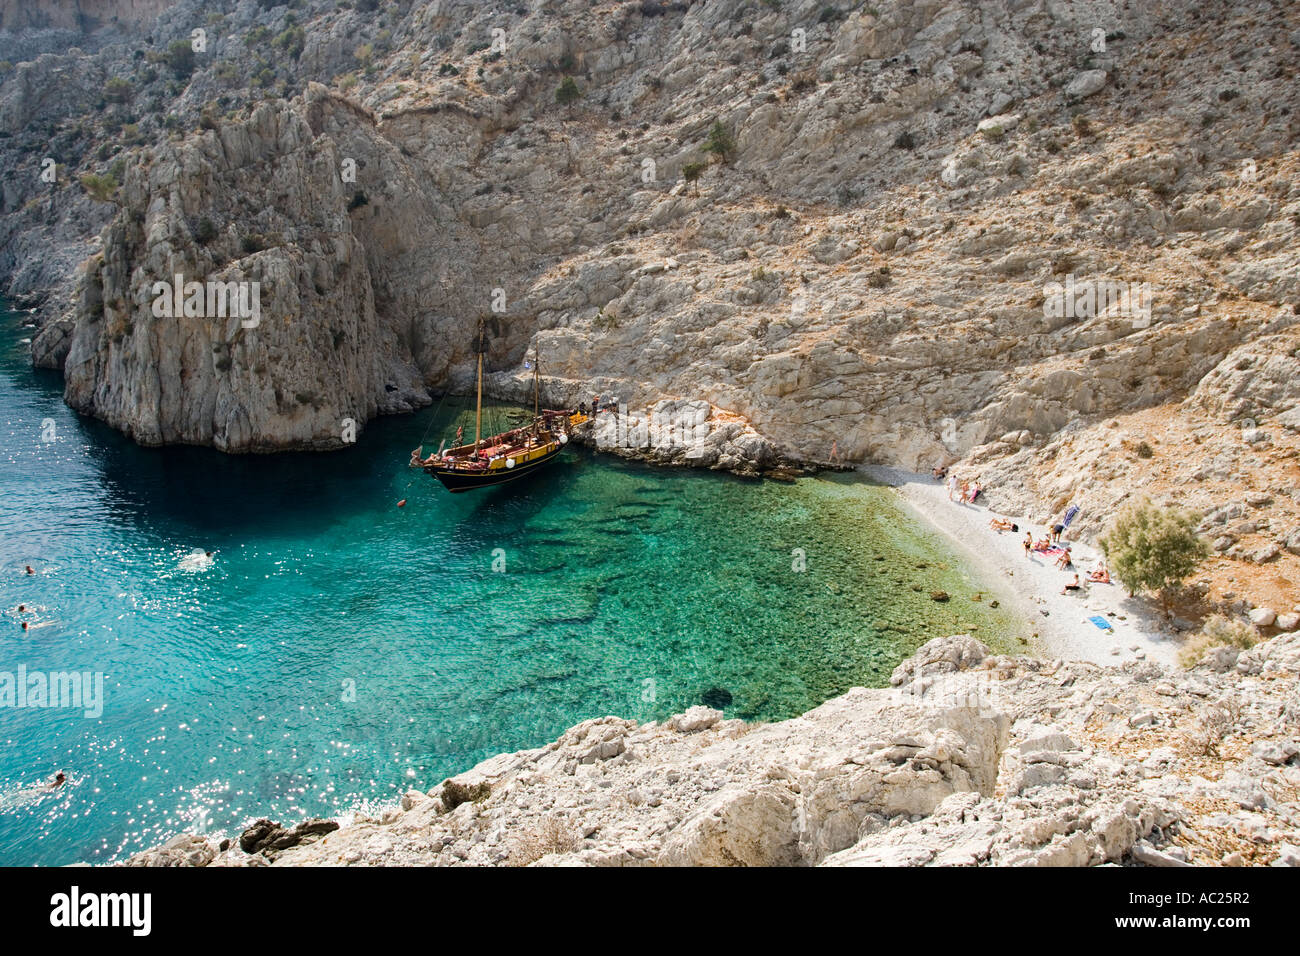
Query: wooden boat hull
<point x="457" y="480"/>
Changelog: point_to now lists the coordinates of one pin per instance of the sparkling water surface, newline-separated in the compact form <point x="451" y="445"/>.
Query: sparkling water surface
<point x="338" y="650"/>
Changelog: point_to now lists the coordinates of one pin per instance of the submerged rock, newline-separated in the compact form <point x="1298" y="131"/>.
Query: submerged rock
<point x="716" y="698"/>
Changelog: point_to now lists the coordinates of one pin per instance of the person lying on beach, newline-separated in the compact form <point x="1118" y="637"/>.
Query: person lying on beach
<point x="1042" y="544"/>
<point x="1101" y="575"/>
<point x="1072" y="586"/>
<point x="1002" y="524"/>
<point x="939" y="472"/>
<point x="1063" y="562"/>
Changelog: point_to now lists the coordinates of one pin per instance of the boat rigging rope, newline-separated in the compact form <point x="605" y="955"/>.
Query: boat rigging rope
<point x="423" y="438"/>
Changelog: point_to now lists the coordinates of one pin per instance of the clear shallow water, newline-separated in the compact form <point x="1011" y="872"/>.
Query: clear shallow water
<point x="626" y="590"/>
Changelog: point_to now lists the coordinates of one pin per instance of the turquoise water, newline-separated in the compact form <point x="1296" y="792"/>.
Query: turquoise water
<point x="339" y="650"/>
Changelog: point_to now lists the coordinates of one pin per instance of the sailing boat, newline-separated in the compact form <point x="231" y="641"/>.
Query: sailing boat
<point x="509" y="455"/>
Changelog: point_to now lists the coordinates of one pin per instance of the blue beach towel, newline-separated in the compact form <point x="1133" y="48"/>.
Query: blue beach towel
<point x="1102" y="623"/>
<point x="1070" y="514"/>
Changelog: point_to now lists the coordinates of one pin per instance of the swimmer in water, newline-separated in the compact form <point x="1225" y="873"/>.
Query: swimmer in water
<point x="58" y="781"/>
<point x="29" y="569"/>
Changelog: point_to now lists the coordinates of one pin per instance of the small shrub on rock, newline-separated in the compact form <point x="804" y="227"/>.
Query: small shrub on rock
<point x="454" y="793"/>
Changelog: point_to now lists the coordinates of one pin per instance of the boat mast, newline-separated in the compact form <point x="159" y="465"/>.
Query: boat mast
<point x="478" y="398"/>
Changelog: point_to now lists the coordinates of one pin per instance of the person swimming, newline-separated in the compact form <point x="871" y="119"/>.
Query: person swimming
<point x="58" y="781"/>
<point x="197" y="560"/>
<point x="29" y="569"/>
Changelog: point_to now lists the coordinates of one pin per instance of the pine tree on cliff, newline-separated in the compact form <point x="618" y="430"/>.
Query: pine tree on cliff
<point x="568" y="93"/>
<point x="720" y="142"/>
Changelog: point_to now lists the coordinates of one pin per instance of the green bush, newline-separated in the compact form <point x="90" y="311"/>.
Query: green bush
<point x="1153" y="549"/>
<point x="720" y="142"/>
<point x="691" y="172"/>
<point x="567" y="93"/>
<point x="291" y="41"/>
<point x="118" y="90"/>
<point x="99" y="188"/>
<point x="180" y="57"/>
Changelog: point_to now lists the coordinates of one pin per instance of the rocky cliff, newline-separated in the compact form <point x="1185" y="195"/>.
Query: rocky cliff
<point x="968" y="760"/>
<point x="864" y="264"/>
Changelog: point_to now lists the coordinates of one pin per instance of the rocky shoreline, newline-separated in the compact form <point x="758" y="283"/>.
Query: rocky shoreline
<point x="968" y="759"/>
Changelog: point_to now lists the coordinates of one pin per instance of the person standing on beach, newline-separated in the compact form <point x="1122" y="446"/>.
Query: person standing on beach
<point x="952" y="486"/>
<point x="1029" y="543"/>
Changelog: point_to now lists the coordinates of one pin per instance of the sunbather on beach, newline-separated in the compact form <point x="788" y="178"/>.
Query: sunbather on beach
<point x="1002" y="524"/>
<point x="1072" y="586"/>
<point x="1101" y="575"/>
<point x="1063" y="562"/>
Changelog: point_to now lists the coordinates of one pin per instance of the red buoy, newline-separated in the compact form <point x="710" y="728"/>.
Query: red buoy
<point x="402" y="503"/>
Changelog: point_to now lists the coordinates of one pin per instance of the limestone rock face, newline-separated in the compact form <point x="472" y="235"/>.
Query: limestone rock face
<point x="867" y="271"/>
<point x="969" y="759"/>
<point x="313" y="356"/>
